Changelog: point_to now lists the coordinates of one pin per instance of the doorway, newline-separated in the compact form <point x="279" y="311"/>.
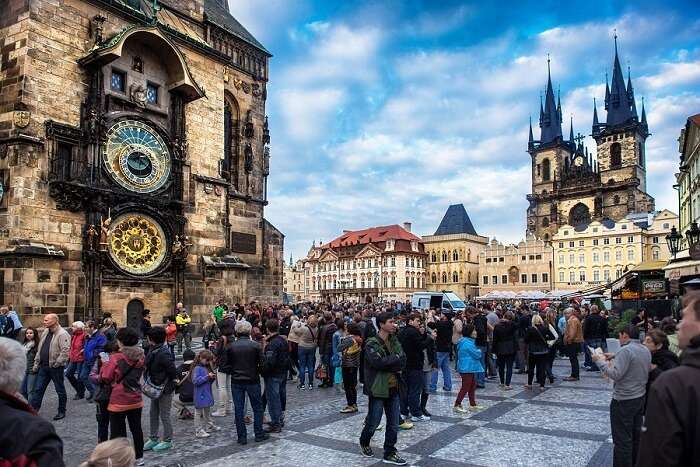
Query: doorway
<point x="134" y="314"/>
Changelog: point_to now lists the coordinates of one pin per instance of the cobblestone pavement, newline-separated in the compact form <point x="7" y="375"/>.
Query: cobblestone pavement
<point x="567" y="425"/>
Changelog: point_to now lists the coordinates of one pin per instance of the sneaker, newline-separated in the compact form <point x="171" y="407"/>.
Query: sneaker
<point x="140" y="461"/>
<point x="213" y="427"/>
<point x="309" y="387"/>
<point x="273" y="429"/>
<point x="501" y="385"/>
<point x="427" y="414"/>
<point x="367" y="451"/>
<point x="508" y="388"/>
<point x="475" y="408"/>
<point x="459" y="409"/>
<point x="302" y="387"/>
<point x="447" y="389"/>
<point x="348" y="409"/>
<point x="163" y="446"/>
<point x="421" y="418"/>
<point x="218" y="413"/>
<point x="202" y="434"/>
<point x="380" y="427"/>
<point x="406" y="425"/>
<point x="395" y="459"/>
<point x="262" y="437"/>
<point x="150" y="444"/>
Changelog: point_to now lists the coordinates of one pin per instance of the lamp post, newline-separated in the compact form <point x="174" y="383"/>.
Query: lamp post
<point x="693" y="234"/>
<point x="673" y="241"/>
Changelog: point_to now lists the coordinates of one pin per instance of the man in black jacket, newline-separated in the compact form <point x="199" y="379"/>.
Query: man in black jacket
<point x="443" y="345"/>
<point x="595" y="332"/>
<point x="672" y="424"/>
<point x="245" y="357"/>
<point x="413" y="344"/>
<point x="275" y="366"/>
<point x="325" y="347"/>
<point x="25" y="438"/>
<point x="161" y="371"/>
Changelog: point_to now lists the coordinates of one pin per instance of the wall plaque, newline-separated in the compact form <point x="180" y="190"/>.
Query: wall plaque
<point x="243" y="243"/>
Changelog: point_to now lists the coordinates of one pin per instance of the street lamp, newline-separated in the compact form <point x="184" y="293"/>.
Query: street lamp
<point x="673" y="240"/>
<point x="693" y="234"/>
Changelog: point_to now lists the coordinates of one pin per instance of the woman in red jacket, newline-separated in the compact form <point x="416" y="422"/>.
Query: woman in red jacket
<point x="123" y="371"/>
<point x="75" y="359"/>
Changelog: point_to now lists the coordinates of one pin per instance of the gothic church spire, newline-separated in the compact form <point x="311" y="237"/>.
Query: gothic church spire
<point x="618" y="101"/>
<point x="550" y="119"/>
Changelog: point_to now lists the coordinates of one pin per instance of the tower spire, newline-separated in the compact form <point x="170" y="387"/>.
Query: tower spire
<point x="571" y="130"/>
<point x="550" y="121"/>
<point x="644" y="113"/>
<point x="595" y="113"/>
<point x="619" y="105"/>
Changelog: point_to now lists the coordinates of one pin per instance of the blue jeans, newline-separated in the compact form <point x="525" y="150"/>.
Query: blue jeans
<point x="443" y="363"/>
<point x="481" y="377"/>
<point x="389" y="406"/>
<point x="43" y="377"/>
<point x="84" y="378"/>
<point x="28" y="384"/>
<point x="307" y="364"/>
<point x="72" y="374"/>
<point x="238" y="393"/>
<point x="275" y="392"/>
<point x="414" y="381"/>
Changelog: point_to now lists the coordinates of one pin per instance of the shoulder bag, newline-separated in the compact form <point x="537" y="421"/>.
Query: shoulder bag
<point x="149" y="389"/>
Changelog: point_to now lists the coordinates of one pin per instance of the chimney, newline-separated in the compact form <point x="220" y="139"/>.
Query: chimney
<point x="407" y="226"/>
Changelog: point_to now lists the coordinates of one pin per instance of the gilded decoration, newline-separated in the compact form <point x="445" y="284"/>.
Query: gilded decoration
<point x="137" y="243"/>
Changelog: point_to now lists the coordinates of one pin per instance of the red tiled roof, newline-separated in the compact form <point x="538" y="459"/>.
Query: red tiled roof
<point x="373" y="234"/>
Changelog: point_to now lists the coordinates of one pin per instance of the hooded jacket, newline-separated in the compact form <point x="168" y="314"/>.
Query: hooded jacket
<point x="381" y="361"/>
<point x="468" y="356"/>
<point x="26" y="439"/>
<point x="77" y="343"/>
<point x="129" y="359"/>
<point x="672" y="423"/>
<point x="94" y="344"/>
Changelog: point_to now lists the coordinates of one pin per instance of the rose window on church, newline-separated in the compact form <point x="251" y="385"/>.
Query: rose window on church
<point x="137" y="243"/>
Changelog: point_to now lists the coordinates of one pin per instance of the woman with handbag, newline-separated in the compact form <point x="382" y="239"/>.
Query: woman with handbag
<point x="103" y="391"/>
<point x="536" y="338"/>
<point x="123" y="373"/>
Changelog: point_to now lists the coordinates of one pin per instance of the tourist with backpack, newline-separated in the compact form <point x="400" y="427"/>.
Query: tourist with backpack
<point x="7" y="325"/>
<point x="159" y="386"/>
<point x="123" y="373"/>
<point x="275" y="368"/>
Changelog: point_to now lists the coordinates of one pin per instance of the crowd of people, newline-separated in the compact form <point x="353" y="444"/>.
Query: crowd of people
<point x="252" y="353"/>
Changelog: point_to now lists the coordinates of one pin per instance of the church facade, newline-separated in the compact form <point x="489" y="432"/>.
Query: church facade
<point x="569" y="187"/>
<point x="134" y="156"/>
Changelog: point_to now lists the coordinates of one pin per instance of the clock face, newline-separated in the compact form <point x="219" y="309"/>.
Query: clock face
<point x="137" y="243"/>
<point x="578" y="162"/>
<point x="136" y="156"/>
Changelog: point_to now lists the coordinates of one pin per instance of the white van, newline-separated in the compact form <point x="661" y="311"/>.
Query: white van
<point x="445" y="301"/>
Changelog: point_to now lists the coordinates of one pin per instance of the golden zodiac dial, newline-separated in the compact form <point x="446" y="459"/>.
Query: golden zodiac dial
<point x="137" y="243"/>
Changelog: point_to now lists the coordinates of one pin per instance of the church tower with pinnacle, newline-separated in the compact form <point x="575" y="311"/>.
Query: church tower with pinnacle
<point x="569" y="186"/>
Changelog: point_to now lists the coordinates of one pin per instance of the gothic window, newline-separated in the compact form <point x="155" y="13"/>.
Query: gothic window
<point x="545" y="170"/>
<point x="455" y="255"/>
<point x="434" y="278"/>
<point x="444" y="256"/>
<point x="455" y="277"/>
<point x="444" y="277"/>
<point x="469" y="255"/>
<point x="579" y="214"/>
<point x="433" y="258"/>
<point x="229" y="161"/>
<point x="615" y="155"/>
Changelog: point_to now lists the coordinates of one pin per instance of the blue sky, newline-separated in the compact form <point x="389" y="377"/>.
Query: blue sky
<point x="389" y="111"/>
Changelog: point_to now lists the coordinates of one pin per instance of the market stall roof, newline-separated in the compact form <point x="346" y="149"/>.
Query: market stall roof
<point x="649" y="266"/>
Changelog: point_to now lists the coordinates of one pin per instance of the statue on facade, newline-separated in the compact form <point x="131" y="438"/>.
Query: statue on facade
<point x="104" y="232"/>
<point x="91" y="236"/>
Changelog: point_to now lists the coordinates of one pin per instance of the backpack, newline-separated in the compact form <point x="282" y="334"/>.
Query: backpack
<point x="6" y="326"/>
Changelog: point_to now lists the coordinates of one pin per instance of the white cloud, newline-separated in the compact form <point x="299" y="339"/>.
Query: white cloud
<point x="674" y="74"/>
<point x="307" y="112"/>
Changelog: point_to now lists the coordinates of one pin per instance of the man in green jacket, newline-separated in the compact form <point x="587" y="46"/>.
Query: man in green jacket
<point x="384" y="359"/>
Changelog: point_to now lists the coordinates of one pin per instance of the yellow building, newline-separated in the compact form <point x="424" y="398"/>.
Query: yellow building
<point x="526" y="266"/>
<point x="599" y="252"/>
<point x="293" y="282"/>
<point x="453" y="254"/>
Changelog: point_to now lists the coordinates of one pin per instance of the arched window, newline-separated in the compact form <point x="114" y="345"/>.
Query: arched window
<point x="545" y="170"/>
<point x="433" y="257"/>
<point x="455" y="255"/>
<point x="444" y="256"/>
<point x="434" y="278"/>
<point x="615" y="155"/>
<point x="229" y="165"/>
<point x="455" y="277"/>
<point x="469" y="255"/>
<point x="444" y="277"/>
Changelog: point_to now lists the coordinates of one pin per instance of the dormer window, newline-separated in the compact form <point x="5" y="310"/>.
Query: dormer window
<point x="389" y="245"/>
<point x="414" y="245"/>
